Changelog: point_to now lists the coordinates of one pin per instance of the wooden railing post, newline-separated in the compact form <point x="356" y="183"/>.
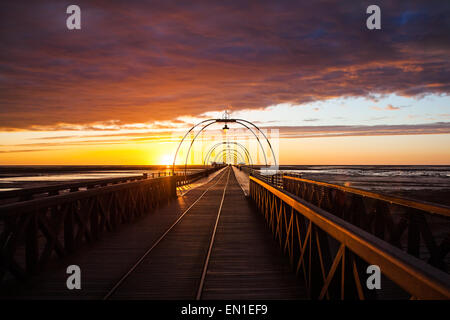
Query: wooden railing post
<point x="69" y="236"/>
<point x="32" y="248"/>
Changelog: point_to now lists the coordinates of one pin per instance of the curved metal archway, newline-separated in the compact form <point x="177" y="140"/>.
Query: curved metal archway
<point x="212" y="121"/>
<point x="247" y="158"/>
<point x="235" y="155"/>
<point x="235" y="152"/>
<point x="214" y="147"/>
<point x="227" y="157"/>
<point x="259" y="130"/>
<point x="209" y="122"/>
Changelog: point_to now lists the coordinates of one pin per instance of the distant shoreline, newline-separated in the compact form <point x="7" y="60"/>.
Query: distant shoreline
<point x="73" y="168"/>
<point x="8" y="169"/>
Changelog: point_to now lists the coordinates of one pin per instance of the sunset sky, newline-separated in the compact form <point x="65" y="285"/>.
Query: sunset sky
<point x="139" y="74"/>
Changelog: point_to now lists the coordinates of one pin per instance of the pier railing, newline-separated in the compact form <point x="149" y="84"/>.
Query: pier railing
<point x="419" y="228"/>
<point x="182" y="179"/>
<point x="30" y="193"/>
<point x="33" y="232"/>
<point x="275" y="178"/>
<point x="332" y="255"/>
<point x="53" y="190"/>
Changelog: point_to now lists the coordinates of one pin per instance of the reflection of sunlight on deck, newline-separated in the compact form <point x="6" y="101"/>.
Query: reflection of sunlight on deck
<point x="182" y="190"/>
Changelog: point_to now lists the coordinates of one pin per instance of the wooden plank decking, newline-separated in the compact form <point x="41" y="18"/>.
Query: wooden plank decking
<point x="246" y="263"/>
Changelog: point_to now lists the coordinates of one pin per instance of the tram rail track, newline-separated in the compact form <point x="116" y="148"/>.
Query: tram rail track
<point x="145" y="255"/>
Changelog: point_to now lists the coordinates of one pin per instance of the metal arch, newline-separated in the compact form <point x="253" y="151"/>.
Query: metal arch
<point x="223" y="120"/>
<point x="249" y="160"/>
<point x="230" y="158"/>
<point x="235" y="151"/>
<point x="227" y="150"/>
<point x="234" y="157"/>
<point x="192" y="142"/>
<point x="181" y="142"/>
<point x="208" y="154"/>
<point x="268" y="142"/>
<point x="219" y="120"/>
<point x="203" y="128"/>
<point x="260" y="144"/>
<point x="214" y="147"/>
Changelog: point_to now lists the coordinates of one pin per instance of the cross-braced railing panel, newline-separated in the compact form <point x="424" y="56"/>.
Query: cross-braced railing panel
<point x="273" y="179"/>
<point x="332" y="255"/>
<point x="421" y="229"/>
<point x="32" y="232"/>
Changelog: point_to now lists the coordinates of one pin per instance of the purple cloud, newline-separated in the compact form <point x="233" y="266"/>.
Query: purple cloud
<point x="143" y="61"/>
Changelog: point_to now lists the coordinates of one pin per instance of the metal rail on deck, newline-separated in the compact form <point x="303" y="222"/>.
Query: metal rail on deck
<point x="320" y="243"/>
<point x="33" y="231"/>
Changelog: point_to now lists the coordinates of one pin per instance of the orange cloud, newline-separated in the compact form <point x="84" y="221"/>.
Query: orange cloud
<point x="391" y="107"/>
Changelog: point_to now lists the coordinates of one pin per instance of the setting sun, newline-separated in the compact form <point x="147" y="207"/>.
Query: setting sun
<point x="166" y="159"/>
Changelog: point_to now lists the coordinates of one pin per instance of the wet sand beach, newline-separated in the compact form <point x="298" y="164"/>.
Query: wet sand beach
<point x="425" y="183"/>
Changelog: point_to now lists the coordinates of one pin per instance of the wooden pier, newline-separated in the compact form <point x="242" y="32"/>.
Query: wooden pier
<point x="139" y="240"/>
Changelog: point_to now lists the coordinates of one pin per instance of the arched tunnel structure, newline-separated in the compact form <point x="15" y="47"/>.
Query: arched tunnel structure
<point x="248" y="158"/>
<point x="251" y="127"/>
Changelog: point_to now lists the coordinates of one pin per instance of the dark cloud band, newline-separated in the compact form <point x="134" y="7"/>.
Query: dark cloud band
<point x="143" y="61"/>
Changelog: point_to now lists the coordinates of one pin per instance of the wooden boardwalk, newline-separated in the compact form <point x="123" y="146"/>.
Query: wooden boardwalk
<point x="168" y="254"/>
<point x="246" y="263"/>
